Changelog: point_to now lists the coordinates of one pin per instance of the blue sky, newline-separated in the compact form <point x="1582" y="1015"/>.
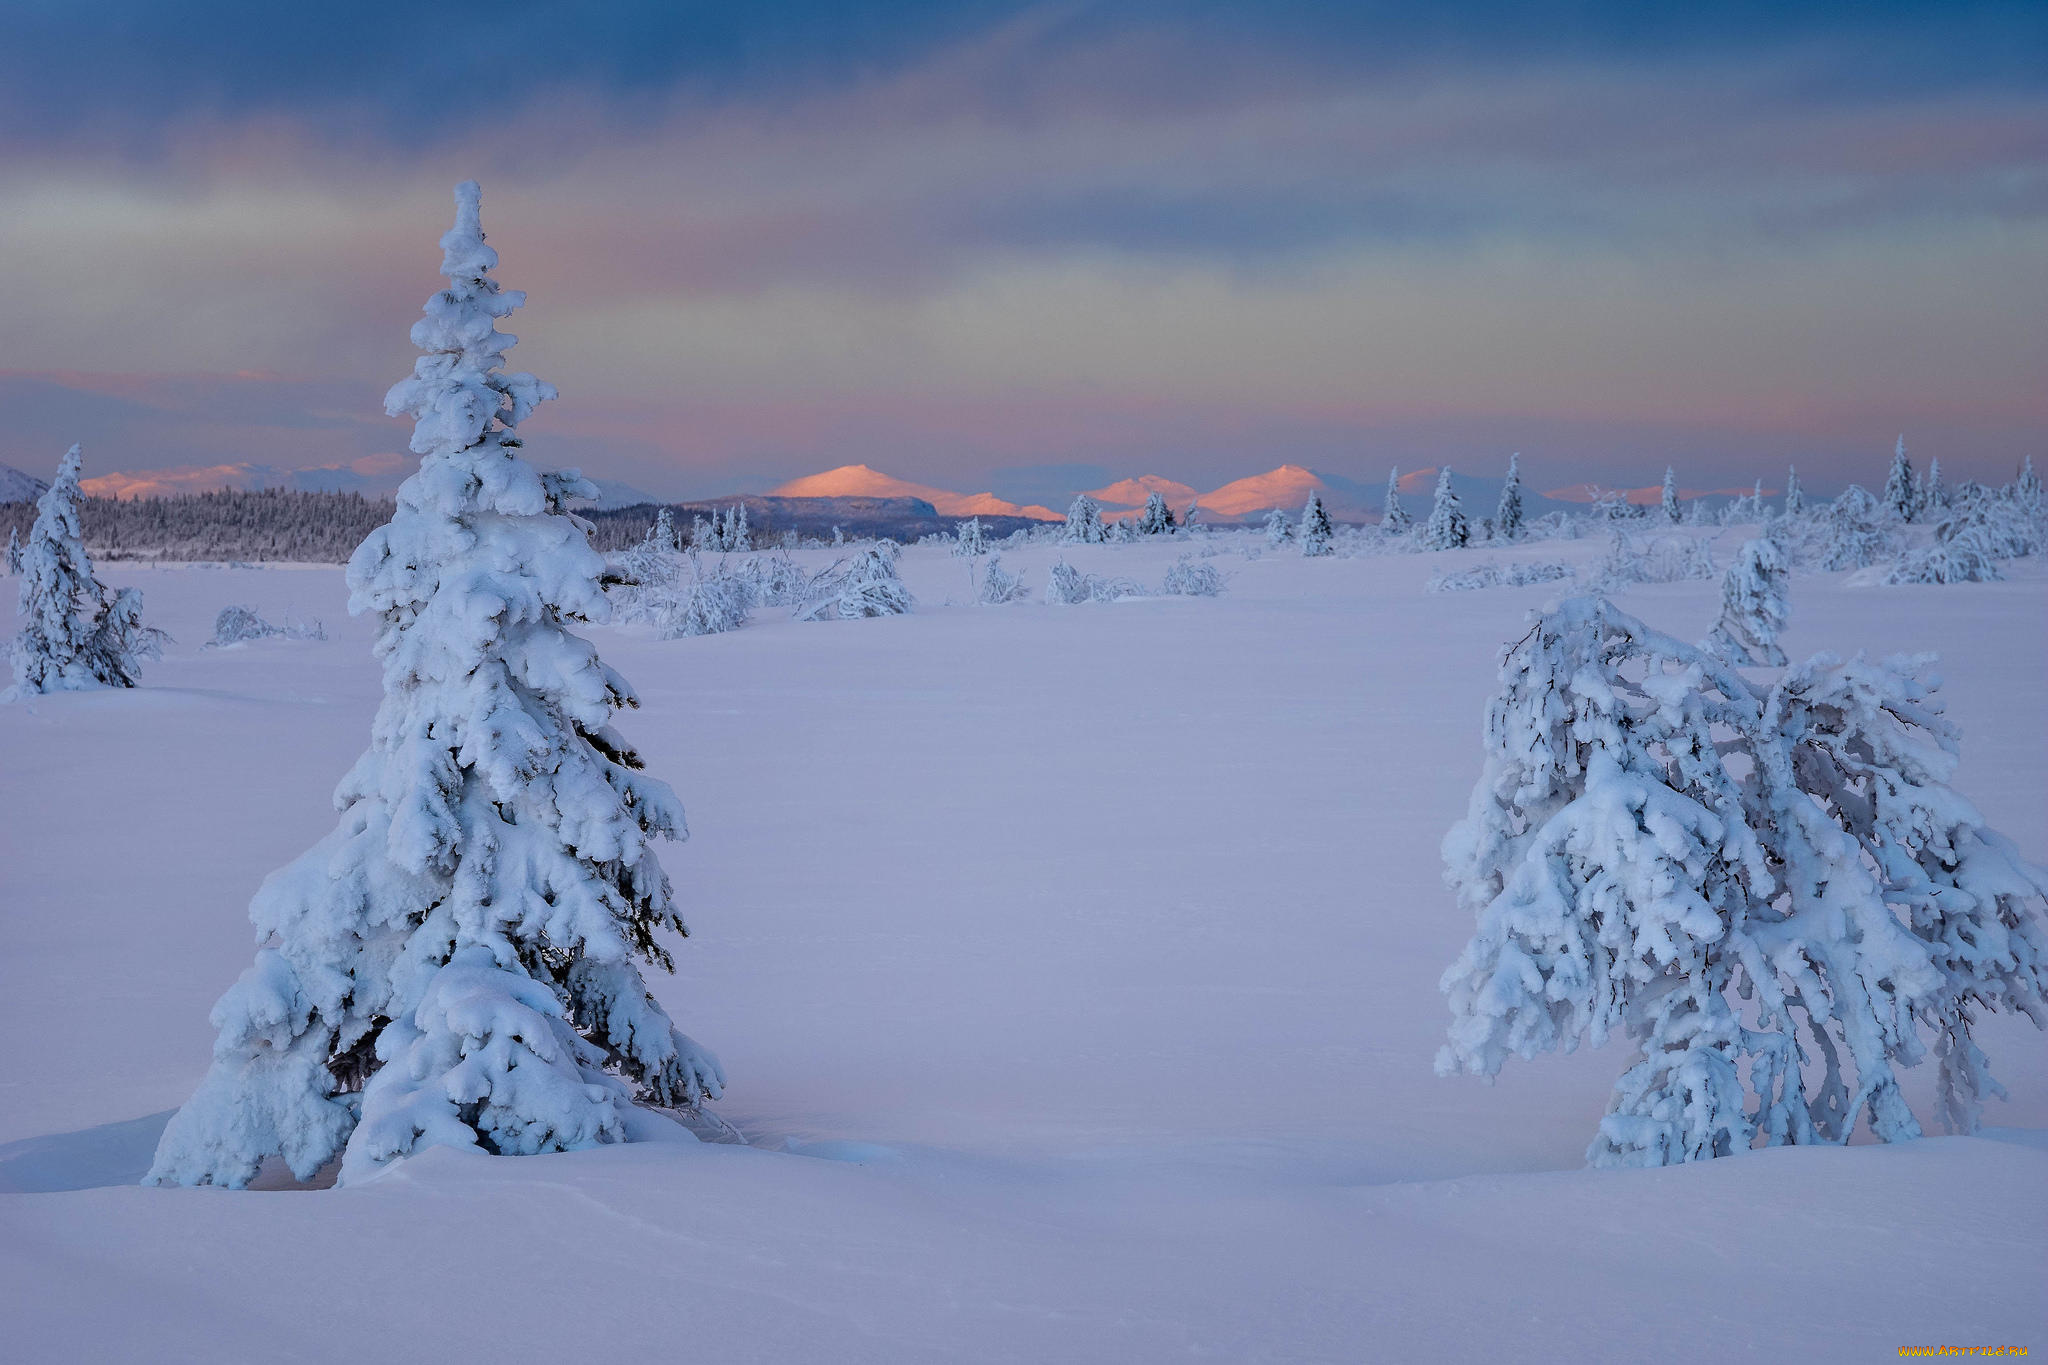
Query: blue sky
<point x="1000" y="246"/>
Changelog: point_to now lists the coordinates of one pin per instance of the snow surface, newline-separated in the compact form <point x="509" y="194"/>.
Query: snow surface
<point x="1075" y="970"/>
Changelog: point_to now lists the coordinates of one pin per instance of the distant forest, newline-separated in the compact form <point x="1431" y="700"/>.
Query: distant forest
<point x="325" y="528"/>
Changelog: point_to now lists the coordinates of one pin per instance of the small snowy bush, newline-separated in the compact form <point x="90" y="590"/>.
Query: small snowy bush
<point x="1852" y="533"/>
<point x="999" y="586"/>
<point x="238" y="625"/>
<point x="1499" y="576"/>
<point x="1755" y="607"/>
<point x="1278" y="529"/>
<point x="867" y="586"/>
<point x="1189" y="578"/>
<point x="1067" y="586"/>
<point x="1664" y="559"/>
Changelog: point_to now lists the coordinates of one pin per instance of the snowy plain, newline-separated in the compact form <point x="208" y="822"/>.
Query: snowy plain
<point x="1075" y="970"/>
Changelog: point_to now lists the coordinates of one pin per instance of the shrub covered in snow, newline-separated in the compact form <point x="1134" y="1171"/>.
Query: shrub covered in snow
<point x="969" y="539"/>
<point x="868" y="585"/>
<point x="1499" y="576"/>
<point x="1772" y="891"/>
<point x="1190" y="577"/>
<point x="1662" y="559"/>
<point x="999" y="586"/>
<point x="458" y="962"/>
<point x="238" y="625"/>
<point x="1066" y="586"/>
<point x="1976" y="528"/>
<point x="77" y="633"/>
<point x="1279" y="530"/>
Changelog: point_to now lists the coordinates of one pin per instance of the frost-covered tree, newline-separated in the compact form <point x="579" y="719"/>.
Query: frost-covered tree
<point x="76" y="634"/>
<point x="1315" y="533"/>
<point x="1977" y="529"/>
<point x="458" y="963"/>
<point x="1084" y="521"/>
<point x="703" y="536"/>
<point x="2027" y="487"/>
<point x="1279" y="530"/>
<point x="1394" y="518"/>
<point x="1507" y="518"/>
<point x="14" y="552"/>
<point x="1853" y="535"/>
<point x="1191" y="577"/>
<point x="1932" y="496"/>
<point x="663" y="536"/>
<point x="1122" y="531"/>
<point x="969" y="539"/>
<point x="737" y="535"/>
<point x="1795" y="501"/>
<point x="1755" y="606"/>
<point x="1771" y="890"/>
<point x="1900" y="499"/>
<point x="1447" y="528"/>
<point x="868" y="586"/>
<point x="1670" y="495"/>
<point x="1157" y="519"/>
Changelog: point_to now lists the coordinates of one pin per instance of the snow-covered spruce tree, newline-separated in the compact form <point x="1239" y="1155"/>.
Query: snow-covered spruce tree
<point x="1755" y="606"/>
<point x="663" y="536"/>
<point x="869" y="586"/>
<point x="457" y="963"/>
<point x="703" y="535"/>
<point x="1279" y="530"/>
<point x="14" y="552"/>
<point x="1157" y="518"/>
<point x="1447" y="528"/>
<point x="1507" y="518"/>
<point x="1900" y="498"/>
<point x="1122" y="531"/>
<point x="2027" y="487"/>
<point x="1931" y="496"/>
<point x="1764" y="887"/>
<point x="969" y="539"/>
<point x="1084" y="521"/>
<point x="1669" y="499"/>
<point x="76" y="634"/>
<point x="1315" y="533"/>
<point x="1853" y="532"/>
<point x="1394" y="518"/>
<point x="1795" y="501"/>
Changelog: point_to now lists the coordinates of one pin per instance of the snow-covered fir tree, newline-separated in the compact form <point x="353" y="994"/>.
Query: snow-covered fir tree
<point x="1853" y="534"/>
<point x="1315" y="533"/>
<point x="703" y="536"/>
<point x="76" y="634"/>
<point x="1900" y="497"/>
<point x="969" y="539"/>
<point x="1122" y="531"/>
<point x="1932" y="496"/>
<point x="1669" y="499"/>
<point x="1795" y="501"/>
<point x="1084" y="521"/>
<point x="1394" y="518"/>
<point x="1157" y="519"/>
<point x="868" y="586"/>
<point x="14" y="554"/>
<point x="1771" y="890"/>
<point x="1279" y="530"/>
<point x="1755" y="606"/>
<point x="1507" y="518"/>
<point x="458" y="963"/>
<point x="2027" y="487"/>
<point x="663" y="536"/>
<point x="1447" y="528"/>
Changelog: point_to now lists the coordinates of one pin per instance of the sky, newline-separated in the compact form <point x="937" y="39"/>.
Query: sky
<point x="1033" y="248"/>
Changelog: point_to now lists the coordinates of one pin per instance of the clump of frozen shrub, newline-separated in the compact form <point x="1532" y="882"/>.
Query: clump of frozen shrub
<point x="702" y="602"/>
<point x="1664" y="559"/>
<point x="777" y="581"/>
<point x="1976" y="527"/>
<point x="1278" y="529"/>
<point x="1067" y="586"/>
<point x="868" y="585"/>
<point x="1189" y="577"/>
<point x="458" y="963"/>
<point x="1755" y="606"/>
<point x="238" y="625"/>
<point x="1770" y="889"/>
<point x="1515" y="575"/>
<point x="77" y="633"/>
<point x="999" y="586"/>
